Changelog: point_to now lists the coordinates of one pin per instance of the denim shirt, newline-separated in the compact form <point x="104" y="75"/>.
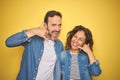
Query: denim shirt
<point x="86" y="69"/>
<point x="33" y="50"/>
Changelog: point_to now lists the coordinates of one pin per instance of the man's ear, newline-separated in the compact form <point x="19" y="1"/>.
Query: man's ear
<point x="45" y="25"/>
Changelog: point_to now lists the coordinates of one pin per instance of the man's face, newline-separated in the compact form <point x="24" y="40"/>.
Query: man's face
<point x="54" y="26"/>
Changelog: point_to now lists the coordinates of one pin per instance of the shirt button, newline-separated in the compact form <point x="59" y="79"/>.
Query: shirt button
<point x="33" y="78"/>
<point x="68" y="76"/>
<point x="36" y="68"/>
<point x="41" y="50"/>
<point x="39" y="59"/>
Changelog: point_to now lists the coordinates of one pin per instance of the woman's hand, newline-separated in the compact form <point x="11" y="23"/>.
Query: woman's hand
<point x="86" y="48"/>
<point x="89" y="52"/>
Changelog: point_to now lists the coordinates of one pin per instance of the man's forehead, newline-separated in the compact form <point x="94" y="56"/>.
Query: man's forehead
<point x="54" y="19"/>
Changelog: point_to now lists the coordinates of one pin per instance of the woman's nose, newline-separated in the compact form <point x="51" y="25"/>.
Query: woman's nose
<point x="76" y="40"/>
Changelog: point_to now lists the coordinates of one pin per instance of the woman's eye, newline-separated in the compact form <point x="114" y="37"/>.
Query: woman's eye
<point x="80" y="39"/>
<point x="75" y="36"/>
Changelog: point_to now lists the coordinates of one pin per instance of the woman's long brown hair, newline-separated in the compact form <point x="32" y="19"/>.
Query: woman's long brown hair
<point x="88" y="34"/>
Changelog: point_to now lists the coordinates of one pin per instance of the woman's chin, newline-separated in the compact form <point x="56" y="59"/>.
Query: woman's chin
<point x="75" y="48"/>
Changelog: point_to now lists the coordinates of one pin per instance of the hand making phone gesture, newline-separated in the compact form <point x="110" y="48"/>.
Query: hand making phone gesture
<point x="39" y="31"/>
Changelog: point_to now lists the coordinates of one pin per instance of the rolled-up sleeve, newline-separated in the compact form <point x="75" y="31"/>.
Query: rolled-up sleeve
<point x="95" y="69"/>
<point x="17" y="39"/>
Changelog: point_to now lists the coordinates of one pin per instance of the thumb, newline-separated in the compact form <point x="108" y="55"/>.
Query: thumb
<point x="80" y="47"/>
<point x="43" y="25"/>
<point x="45" y="37"/>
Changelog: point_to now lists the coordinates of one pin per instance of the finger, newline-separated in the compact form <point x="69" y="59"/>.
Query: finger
<point x="43" y="25"/>
<point x="85" y="45"/>
<point x="45" y="37"/>
<point x="88" y="44"/>
<point x="80" y="47"/>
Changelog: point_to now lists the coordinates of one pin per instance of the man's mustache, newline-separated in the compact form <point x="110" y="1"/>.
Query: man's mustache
<point x="56" y="31"/>
<point x="50" y="35"/>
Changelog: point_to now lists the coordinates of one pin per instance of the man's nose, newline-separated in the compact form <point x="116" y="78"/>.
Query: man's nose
<point x="58" y="28"/>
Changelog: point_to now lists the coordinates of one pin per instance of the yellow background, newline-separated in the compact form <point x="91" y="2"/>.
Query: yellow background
<point x="102" y="17"/>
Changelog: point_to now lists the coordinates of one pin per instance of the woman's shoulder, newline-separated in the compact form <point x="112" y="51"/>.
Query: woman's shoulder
<point x="64" y="53"/>
<point x="83" y="55"/>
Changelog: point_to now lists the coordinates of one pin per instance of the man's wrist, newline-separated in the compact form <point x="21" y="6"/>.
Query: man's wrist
<point x="30" y="33"/>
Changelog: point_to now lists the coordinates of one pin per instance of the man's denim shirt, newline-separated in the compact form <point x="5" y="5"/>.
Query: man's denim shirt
<point x="32" y="55"/>
<point x="86" y="70"/>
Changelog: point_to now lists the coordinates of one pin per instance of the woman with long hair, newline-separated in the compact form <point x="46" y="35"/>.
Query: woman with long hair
<point x="78" y="61"/>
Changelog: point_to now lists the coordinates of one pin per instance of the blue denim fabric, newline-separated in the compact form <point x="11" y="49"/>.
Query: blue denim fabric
<point x="86" y="69"/>
<point x="33" y="50"/>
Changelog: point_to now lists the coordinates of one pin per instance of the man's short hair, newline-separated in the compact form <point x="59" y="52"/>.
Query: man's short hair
<point x="51" y="13"/>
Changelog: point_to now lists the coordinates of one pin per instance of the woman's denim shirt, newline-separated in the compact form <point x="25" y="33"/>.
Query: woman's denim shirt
<point x="33" y="50"/>
<point x="86" y="69"/>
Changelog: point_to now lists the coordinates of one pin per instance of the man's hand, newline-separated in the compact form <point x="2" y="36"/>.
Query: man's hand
<point x="39" y="31"/>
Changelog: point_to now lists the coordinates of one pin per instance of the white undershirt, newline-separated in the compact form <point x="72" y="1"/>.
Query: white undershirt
<point x="47" y="63"/>
<point x="74" y="73"/>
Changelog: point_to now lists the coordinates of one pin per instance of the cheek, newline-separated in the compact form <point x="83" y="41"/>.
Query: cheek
<point x="50" y="30"/>
<point x="81" y="43"/>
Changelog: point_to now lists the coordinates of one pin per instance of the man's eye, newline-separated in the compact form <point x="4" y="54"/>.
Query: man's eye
<point x="53" y="24"/>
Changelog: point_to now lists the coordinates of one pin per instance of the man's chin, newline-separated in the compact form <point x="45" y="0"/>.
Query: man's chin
<point x="54" y="38"/>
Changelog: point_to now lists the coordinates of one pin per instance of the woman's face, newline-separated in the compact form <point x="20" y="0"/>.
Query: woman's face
<point x="78" y="40"/>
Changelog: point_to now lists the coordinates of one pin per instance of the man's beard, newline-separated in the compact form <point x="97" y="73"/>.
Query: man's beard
<point x="50" y="34"/>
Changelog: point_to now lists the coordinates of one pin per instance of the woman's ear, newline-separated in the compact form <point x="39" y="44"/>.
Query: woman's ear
<point x="83" y="44"/>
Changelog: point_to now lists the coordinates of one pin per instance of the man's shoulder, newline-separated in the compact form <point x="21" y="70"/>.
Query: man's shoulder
<point x="58" y="42"/>
<point x="37" y="38"/>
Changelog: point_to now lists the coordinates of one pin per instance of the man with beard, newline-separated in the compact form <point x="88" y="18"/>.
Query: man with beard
<point x="40" y="60"/>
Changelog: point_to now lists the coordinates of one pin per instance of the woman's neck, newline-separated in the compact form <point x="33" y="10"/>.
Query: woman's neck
<point x="74" y="51"/>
